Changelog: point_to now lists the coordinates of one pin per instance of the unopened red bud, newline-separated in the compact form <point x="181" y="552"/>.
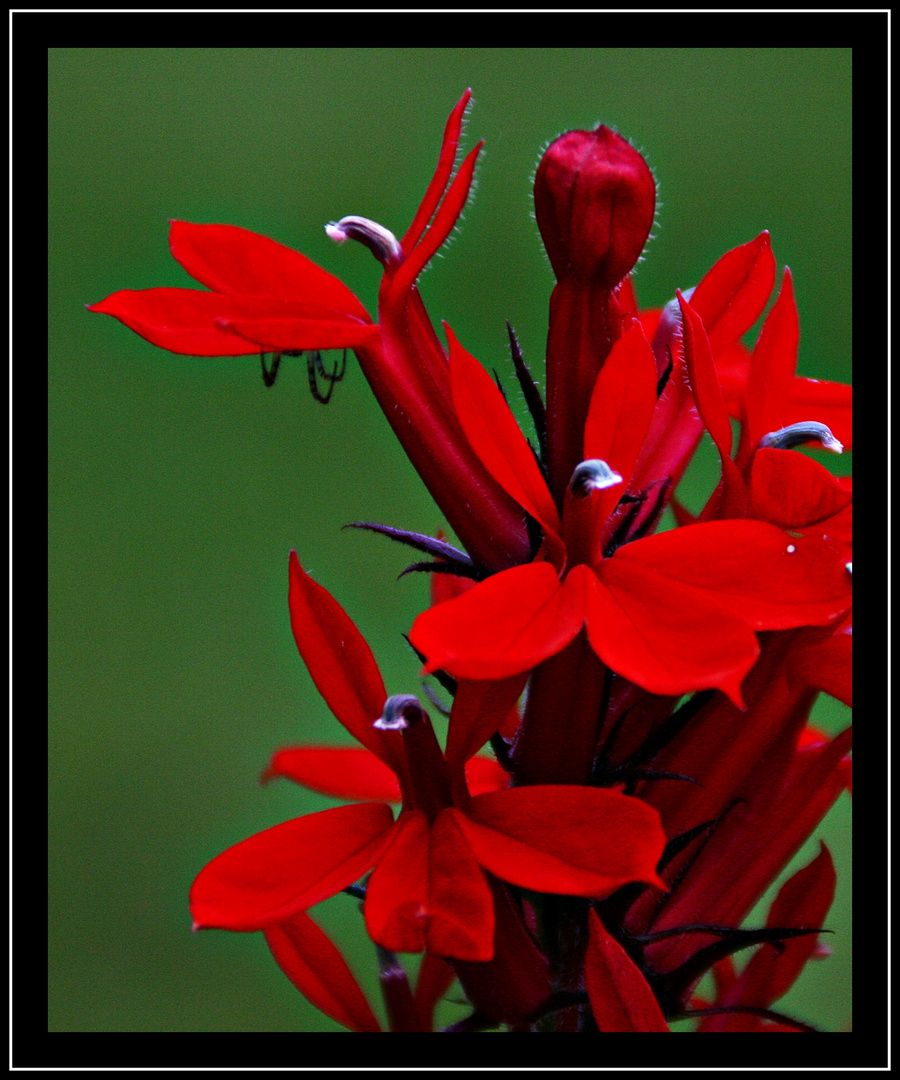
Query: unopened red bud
<point x="594" y="199"/>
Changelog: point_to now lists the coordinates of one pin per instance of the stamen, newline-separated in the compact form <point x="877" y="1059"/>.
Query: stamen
<point x="400" y="711"/>
<point x="379" y="240"/>
<point x="592" y="475"/>
<point x="796" y="434"/>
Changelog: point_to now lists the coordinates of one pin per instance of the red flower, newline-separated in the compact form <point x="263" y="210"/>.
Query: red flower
<point x="267" y="298"/>
<point x="428" y="888"/>
<point x="766" y="480"/>
<point x="565" y="583"/>
<point x="673" y="612"/>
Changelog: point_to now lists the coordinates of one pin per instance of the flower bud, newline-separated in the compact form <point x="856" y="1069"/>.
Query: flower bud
<point x="594" y="199"/>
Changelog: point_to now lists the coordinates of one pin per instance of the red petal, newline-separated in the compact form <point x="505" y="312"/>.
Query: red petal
<point x="792" y="490"/>
<point x="276" y="873"/>
<point x="565" y="838"/>
<point x="830" y="403"/>
<point x="503" y="626"/>
<point x="485" y="774"/>
<point x="804" y="900"/>
<point x="346" y="772"/>
<point x="340" y="663"/>
<point x="773" y="365"/>
<point x="441" y="227"/>
<point x="292" y="335"/>
<point x="460" y="906"/>
<point x="516" y="982"/>
<point x="732" y="295"/>
<point x="827" y="666"/>
<point x="479" y="709"/>
<point x="396" y="902"/>
<point x="665" y="637"/>
<point x="619" y="415"/>
<point x="428" y="891"/>
<point x="620" y="996"/>
<point x="186" y="320"/>
<point x="442" y="173"/>
<point x="315" y="966"/>
<point x="711" y="406"/>
<point x="752" y="570"/>
<point x="495" y="436"/>
<point x="232" y="260"/>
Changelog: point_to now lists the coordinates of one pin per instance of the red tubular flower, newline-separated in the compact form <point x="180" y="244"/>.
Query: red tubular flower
<point x="536" y="877"/>
<point x="673" y="612"/>
<point x="428" y="888"/>
<point x="267" y="298"/>
<point x="766" y="480"/>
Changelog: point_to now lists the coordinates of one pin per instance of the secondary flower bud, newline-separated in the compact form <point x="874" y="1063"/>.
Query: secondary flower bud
<point x="594" y="199"/>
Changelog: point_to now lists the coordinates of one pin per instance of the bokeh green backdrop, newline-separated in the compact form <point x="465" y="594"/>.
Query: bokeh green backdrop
<point x="178" y="485"/>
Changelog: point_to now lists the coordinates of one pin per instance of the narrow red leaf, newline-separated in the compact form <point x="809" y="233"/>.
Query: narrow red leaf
<point x="316" y="967"/>
<point x="621" y="999"/>
<point x="803" y="901"/>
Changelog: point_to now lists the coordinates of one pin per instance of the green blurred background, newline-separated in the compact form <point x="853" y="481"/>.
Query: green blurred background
<point x="179" y="485"/>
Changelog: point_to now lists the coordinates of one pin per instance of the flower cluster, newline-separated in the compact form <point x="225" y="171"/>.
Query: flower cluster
<point x="645" y="693"/>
